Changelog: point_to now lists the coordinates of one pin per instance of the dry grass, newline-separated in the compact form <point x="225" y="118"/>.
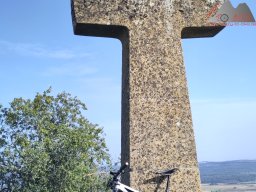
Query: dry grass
<point x="229" y="188"/>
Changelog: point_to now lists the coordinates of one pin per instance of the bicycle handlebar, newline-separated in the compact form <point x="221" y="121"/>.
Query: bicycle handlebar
<point x="122" y="168"/>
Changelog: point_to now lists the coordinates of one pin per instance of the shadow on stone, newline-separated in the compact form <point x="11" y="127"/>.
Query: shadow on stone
<point x="164" y="174"/>
<point x="158" y="180"/>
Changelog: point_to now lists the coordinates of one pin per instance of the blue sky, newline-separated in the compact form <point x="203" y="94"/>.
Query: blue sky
<point x="38" y="50"/>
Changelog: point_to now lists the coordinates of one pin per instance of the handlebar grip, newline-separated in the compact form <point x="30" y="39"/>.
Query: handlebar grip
<point x="121" y="169"/>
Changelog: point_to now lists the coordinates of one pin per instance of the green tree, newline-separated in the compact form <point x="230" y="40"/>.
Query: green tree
<point x="46" y="144"/>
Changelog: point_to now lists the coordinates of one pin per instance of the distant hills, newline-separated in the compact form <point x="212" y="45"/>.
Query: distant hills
<point x="229" y="172"/>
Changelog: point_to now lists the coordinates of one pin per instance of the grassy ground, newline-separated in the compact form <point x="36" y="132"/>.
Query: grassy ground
<point x="229" y="188"/>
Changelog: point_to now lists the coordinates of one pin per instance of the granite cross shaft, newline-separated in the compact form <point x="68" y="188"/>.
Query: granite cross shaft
<point x="156" y="128"/>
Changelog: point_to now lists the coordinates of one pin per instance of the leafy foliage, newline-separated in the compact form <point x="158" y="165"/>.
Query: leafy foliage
<point x="46" y="144"/>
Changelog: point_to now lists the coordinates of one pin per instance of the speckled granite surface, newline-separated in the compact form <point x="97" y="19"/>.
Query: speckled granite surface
<point x="157" y="128"/>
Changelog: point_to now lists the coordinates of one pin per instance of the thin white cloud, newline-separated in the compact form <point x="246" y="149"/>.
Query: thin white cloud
<point x="71" y="70"/>
<point x="224" y="128"/>
<point x="225" y="101"/>
<point x="37" y="50"/>
<point x="104" y="81"/>
<point x="100" y="88"/>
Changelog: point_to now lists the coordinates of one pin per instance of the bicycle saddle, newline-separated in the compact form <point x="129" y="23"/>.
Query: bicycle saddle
<point x="167" y="172"/>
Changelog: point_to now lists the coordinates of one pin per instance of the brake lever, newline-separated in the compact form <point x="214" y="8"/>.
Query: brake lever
<point x="112" y="173"/>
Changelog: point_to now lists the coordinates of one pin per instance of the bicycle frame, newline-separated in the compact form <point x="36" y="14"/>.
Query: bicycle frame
<point x="123" y="188"/>
<point x="117" y="186"/>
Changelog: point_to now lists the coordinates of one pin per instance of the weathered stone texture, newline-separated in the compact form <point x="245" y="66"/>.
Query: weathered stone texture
<point x="157" y="128"/>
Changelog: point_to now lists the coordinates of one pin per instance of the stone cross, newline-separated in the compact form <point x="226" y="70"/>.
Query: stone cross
<point x="157" y="128"/>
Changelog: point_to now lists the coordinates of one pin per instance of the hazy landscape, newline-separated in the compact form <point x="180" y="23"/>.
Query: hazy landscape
<point x="229" y="176"/>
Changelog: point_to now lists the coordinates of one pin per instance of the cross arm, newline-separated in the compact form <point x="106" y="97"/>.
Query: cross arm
<point x="197" y="16"/>
<point x="111" y="18"/>
<point x="102" y="18"/>
<point x="198" y="32"/>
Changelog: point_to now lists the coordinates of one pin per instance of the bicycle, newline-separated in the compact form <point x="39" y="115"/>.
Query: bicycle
<point x="116" y="185"/>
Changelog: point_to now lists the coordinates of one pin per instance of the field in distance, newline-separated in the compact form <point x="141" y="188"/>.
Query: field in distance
<point x="228" y="172"/>
<point x="229" y="188"/>
<point x="228" y="176"/>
